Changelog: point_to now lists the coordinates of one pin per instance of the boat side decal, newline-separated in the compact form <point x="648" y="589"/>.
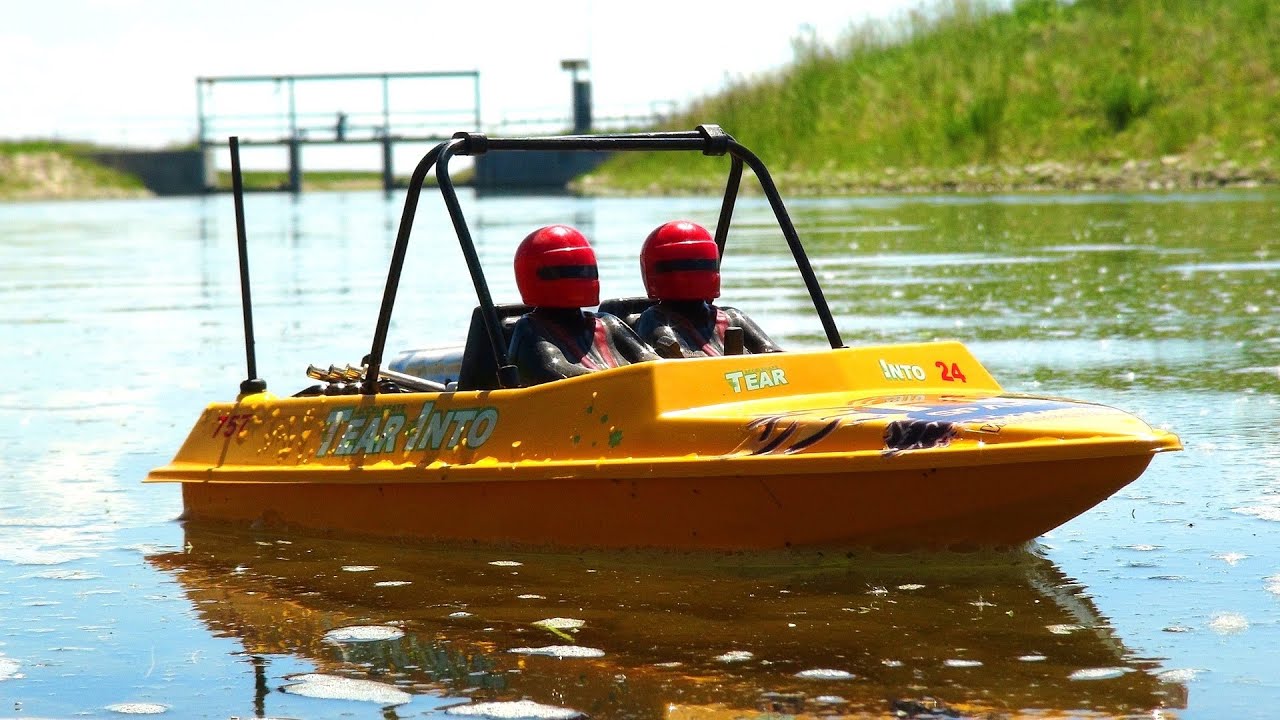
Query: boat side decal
<point x="231" y="423"/>
<point x="901" y="371"/>
<point x="911" y="422"/>
<point x="947" y="371"/>
<point x="758" y="379"/>
<point x="770" y="441"/>
<point x="911" y="434"/>
<point x="374" y="430"/>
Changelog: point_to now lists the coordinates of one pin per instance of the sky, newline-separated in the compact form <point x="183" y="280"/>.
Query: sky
<point x="123" y="72"/>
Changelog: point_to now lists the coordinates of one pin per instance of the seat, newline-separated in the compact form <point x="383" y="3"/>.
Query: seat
<point x="479" y="368"/>
<point x="627" y="309"/>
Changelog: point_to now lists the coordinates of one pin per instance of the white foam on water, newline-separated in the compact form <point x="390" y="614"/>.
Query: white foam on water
<point x="331" y="687"/>
<point x="514" y="710"/>
<point x="958" y="663"/>
<point x="1262" y="512"/>
<point x="1273" y="584"/>
<point x="1102" y="673"/>
<point x="561" y="623"/>
<point x="830" y="700"/>
<point x="25" y="555"/>
<point x="363" y="633"/>
<point x="138" y="708"/>
<point x="911" y="586"/>
<point x="460" y="614"/>
<point x="560" y="651"/>
<point x="9" y="669"/>
<point x="392" y="583"/>
<point x="1231" y="558"/>
<point x="359" y="568"/>
<point x="66" y="575"/>
<point x="735" y="656"/>
<point x="824" y="674"/>
<point x="1063" y="629"/>
<point x="1032" y="658"/>
<point x="506" y="563"/>
<point x="530" y="596"/>
<point x="891" y="663"/>
<point x="1179" y="675"/>
<point x="1228" y="623"/>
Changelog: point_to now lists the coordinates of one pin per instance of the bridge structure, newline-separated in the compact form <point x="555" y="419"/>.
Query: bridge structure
<point x="291" y="111"/>
<point x="386" y="109"/>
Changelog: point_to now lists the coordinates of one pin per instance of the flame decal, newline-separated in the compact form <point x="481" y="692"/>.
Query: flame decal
<point x="903" y="435"/>
<point x="813" y="439"/>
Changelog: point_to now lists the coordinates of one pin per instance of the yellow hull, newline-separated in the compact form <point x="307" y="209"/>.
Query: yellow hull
<point x="899" y="446"/>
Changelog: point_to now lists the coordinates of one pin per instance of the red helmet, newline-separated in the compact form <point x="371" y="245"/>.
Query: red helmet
<point x="680" y="261"/>
<point x="556" y="267"/>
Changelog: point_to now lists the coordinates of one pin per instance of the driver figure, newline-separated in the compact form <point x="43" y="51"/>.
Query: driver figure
<point x="557" y="275"/>
<point x="681" y="266"/>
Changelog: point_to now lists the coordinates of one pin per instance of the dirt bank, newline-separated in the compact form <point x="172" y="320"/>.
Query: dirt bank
<point x="47" y="175"/>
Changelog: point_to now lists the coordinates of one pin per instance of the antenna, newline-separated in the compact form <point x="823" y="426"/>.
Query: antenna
<point x="252" y="384"/>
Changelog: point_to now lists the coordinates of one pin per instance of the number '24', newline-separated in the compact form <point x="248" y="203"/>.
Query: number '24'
<point x="952" y="373"/>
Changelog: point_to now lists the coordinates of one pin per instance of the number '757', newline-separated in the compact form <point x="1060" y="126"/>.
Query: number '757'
<point x="229" y="425"/>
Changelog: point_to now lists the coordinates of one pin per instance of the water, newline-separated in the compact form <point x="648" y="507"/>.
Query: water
<point x="121" y="320"/>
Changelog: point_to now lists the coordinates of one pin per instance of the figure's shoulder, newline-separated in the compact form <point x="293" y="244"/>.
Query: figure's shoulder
<point x="609" y="319"/>
<point x="523" y="324"/>
<point x="731" y="312"/>
<point x="652" y="317"/>
<point x="614" y="324"/>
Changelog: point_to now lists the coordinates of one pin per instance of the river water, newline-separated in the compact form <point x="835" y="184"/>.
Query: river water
<point x="121" y="319"/>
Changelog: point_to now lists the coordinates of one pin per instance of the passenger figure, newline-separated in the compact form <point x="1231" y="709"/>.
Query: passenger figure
<point x="681" y="266"/>
<point x="557" y="276"/>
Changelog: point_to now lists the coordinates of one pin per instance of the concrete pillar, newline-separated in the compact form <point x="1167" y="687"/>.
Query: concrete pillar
<point x="581" y="107"/>
<point x="388" y="174"/>
<point x="295" y="165"/>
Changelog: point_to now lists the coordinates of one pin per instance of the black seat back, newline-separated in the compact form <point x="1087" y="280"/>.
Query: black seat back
<point x="627" y="309"/>
<point x="479" y="370"/>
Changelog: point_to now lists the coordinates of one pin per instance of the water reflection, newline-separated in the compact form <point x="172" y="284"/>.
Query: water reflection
<point x="663" y="636"/>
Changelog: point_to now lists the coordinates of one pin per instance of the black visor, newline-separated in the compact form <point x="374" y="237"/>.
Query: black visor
<point x="568" y="272"/>
<point x="686" y="265"/>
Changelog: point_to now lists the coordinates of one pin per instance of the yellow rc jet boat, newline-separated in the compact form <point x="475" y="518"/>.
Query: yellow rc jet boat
<point x="895" y="446"/>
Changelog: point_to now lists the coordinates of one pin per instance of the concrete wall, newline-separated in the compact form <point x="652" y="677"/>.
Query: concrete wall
<point x="182" y="172"/>
<point x="533" y="170"/>
<point x="163" y="172"/>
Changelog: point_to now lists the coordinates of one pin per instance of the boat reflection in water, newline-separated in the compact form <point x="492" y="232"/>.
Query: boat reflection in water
<point x="670" y="636"/>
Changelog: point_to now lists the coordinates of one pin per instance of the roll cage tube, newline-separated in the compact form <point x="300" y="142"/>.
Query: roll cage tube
<point x="711" y="140"/>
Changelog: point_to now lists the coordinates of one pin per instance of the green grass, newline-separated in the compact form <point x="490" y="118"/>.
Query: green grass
<point x="88" y="172"/>
<point x="960" y="84"/>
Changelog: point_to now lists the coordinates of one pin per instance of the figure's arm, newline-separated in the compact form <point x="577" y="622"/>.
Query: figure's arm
<point x="754" y="339"/>
<point x="658" y="335"/>
<point x="538" y="359"/>
<point x="627" y="341"/>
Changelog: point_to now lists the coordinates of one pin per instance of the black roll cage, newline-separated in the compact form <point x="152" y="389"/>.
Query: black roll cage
<point x="710" y="140"/>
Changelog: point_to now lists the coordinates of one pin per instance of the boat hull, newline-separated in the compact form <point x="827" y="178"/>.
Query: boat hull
<point x="941" y="508"/>
<point x="841" y="448"/>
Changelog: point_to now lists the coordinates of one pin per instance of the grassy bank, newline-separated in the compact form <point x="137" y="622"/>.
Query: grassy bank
<point x="961" y="95"/>
<point x="1122" y="94"/>
<point x="36" y="170"/>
